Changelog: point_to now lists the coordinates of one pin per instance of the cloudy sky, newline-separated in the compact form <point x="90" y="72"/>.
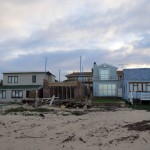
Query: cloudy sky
<point x="102" y="31"/>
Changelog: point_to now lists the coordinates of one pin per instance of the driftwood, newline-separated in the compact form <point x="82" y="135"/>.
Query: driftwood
<point x="82" y="140"/>
<point x="68" y="139"/>
<point x="144" y="140"/>
<point x="26" y="128"/>
<point x="29" y="137"/>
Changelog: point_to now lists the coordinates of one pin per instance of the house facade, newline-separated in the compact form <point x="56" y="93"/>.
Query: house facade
<point x="105" y="80"/>
<point x="20" y="85"/>
<point x="83" y="77"/>
<point x="136" y="84"/>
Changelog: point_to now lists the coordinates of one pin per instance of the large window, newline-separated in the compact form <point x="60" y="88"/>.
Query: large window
<point x="34" y="79"/>
<point x="17" y="94"/>
<point x="12" y="79"/>
<point x="139" y="87"/>
<point x="84" y="79"/>
<point x="107" y="89"/>
<point x="2" y="94"/>
<point x="104" y="74"/>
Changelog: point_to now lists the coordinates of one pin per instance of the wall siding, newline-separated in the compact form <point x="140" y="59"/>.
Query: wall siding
<point x="97" y="80"/>
<point x="134" y="75"/>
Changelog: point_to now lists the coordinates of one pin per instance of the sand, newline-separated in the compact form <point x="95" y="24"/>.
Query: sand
<point x="97" y="130"/>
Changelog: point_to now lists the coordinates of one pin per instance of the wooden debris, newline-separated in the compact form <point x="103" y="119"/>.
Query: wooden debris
<point x="42" y="115"/>
<point x="82" y="140"/>
<point x="144" y="140"/>
<point x="68" y="139"/>
<point x="29" y="137"/>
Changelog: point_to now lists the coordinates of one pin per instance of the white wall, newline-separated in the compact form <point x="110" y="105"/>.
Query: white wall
<point x="26" y="78"/>
<point x="9" y="99"/>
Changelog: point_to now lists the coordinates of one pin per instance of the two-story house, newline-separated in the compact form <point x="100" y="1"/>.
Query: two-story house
<point x="105" y="80"/>
<point x="20" y="85"/>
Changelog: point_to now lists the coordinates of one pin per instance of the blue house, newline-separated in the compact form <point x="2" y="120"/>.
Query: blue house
<point x="136" y="84"/>
<point x="105" y="80"/>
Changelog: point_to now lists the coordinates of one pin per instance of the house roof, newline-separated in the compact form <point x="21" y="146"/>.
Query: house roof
<point x="137" y="74"/>
<point x="29" y="72"/>
<point x="20" y="87"/>
<point x="74" y="74"/>
<point x="103" y="65"/>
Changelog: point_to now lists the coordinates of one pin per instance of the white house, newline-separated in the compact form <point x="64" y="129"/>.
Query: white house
<point x="20" y="85"/>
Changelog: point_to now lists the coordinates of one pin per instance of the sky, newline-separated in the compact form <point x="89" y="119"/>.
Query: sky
<point x="116" y="32"/>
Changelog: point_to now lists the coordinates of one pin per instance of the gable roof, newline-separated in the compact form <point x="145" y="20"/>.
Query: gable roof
<point x="106" y="65"/>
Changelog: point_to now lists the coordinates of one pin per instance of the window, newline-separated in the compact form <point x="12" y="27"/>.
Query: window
<point x="135" y="87"/>
<point x="131" y="87"/>
<point x="2" y="94"/>
<point x="107" y="89"/>
<point x="104" y="74"/>
<point x="33" y="78"/>
<point x="144" y="87"/>
<point x="148" y="87"/>
<point x="80" y="78"/>
<point x="12" y="79"/>
<point x="139" y="87"/>
<point x="17" y="94"/>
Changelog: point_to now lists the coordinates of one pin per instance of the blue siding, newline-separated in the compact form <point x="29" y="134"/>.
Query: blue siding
<point x="134" y="75"/>
<point x="137" y="74"/>
<point x="97" y="80"/>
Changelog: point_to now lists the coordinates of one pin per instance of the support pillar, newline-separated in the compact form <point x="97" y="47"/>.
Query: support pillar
<point x="70" y="92"/>
<point x="66" y="92"/>
<point x="62" y="94"/>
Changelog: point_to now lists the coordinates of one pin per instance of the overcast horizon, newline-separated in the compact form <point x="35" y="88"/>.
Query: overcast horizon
<point x="109" y="31"/>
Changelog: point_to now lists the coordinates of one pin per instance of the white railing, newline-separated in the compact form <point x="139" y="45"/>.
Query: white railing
<point x="145" y="96"/>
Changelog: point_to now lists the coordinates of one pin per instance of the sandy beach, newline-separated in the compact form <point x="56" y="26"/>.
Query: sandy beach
<point x="95" y="130"/>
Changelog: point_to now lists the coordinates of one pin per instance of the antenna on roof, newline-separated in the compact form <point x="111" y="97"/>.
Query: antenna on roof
<point x="45" y="66"/>
<point x="80" y="64"/>
<point x="59" y="75"/>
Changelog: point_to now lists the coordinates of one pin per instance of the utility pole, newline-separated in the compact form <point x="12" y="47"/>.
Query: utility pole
<point x="59" y="75"/>
<point x="80" y="64"/>
<point x="45" y="66"/>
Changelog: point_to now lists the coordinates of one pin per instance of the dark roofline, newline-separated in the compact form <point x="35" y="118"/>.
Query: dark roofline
<point x="20" y="87"/>
<point x="79" y="73"/>
<point x="28" y="72"/>
<point x="136" y="69"/>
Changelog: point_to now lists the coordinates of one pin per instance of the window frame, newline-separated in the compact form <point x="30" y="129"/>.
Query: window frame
<point x="33" y="78"/>
<point x="107" y="89"/>
<point x="104" y="76"/>
<point x="141" y="86"/>
<point x="3" y="93"/>
<point x="18" y="94"/>
<point x="12" y="79"/>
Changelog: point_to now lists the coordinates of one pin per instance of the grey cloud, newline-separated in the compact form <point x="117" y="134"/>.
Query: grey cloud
<point x="86" y="27"/>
